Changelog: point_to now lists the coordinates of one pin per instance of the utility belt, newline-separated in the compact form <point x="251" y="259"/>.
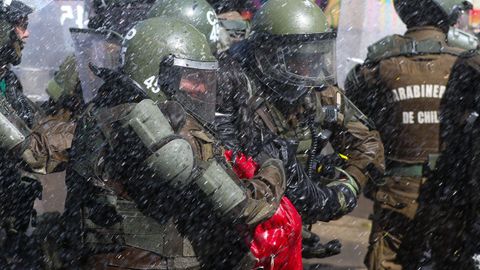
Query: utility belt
<point x="413" y="170"/>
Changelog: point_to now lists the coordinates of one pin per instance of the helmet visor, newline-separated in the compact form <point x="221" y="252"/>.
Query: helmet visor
<point x="197" y="92"/>
<point x="311" y="61"/>
<point x="301" y="63"/>
<point x="195" y="87"/>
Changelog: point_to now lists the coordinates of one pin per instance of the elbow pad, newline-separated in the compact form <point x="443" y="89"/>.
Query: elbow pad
<point x="12" y="129"/>
<point x="222" y="189"/>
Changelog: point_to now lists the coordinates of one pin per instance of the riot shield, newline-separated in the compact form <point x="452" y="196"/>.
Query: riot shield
<point x="36" y="4"/>
<point x="361" y="24"/>
<point x="49" y="43"/>
<point x="98" y="47"/>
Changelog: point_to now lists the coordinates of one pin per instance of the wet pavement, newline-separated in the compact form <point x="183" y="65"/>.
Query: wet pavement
<point x="352" y="231"/>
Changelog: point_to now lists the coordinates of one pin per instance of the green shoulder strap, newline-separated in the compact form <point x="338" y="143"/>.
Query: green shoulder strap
<point x="396" y="45"/>
<point x="461" y="39"/>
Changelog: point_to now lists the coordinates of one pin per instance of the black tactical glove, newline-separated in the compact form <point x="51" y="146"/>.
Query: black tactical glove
<point x="313" y="202"/>
<point x="313" y="248"/>
<point x="325" y="166"/>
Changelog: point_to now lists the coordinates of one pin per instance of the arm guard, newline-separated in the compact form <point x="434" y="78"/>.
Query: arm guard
<point x="12" y="129"/>
<point x="461" y="39"/>
<point x="10" y="136"/>
<point x="173" y="162"/>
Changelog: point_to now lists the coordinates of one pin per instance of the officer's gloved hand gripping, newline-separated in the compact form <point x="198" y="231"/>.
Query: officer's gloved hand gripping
<point x="315" y="202"/>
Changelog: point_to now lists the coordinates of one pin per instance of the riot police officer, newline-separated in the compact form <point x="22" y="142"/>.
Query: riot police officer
<point x="17" y="192"/>
<point x="399" y="87"/>
<point x="168" y="199"/>
<point x="449" y="211"/>
<point x="198" y="13"/>
<point x="234" y="21"/>
<point x="24" y="148"/>
<point x="289" y="62"/>
<point x="14" y="35"/>
<point x="232" y="89"/>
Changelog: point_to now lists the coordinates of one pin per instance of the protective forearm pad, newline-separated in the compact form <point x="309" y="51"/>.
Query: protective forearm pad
<point x="222" y="190"/>
<point x="173" y="163"/>
<point x="172" y="159"/>
<point x="149" y="123"/>
<point x="10" y="135"/>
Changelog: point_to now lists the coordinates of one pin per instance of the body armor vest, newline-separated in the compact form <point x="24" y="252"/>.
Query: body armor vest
<point x="414" y="75"/>
<point x="135" y="230"/>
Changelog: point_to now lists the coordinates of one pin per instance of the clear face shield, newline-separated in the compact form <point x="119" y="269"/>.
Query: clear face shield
<point x="362" y="23"/>
<point x="299" y="60"/>
<point x="193" y="84"/>
<point x="119" y="15"/>
<point x="100" y="48"/>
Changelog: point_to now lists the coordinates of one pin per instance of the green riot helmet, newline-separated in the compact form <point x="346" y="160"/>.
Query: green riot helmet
<point x="171" y="59"/>
<point x="116" y="15"/>
<point x="441" y="13"/>
<point x="198" y="13"/>
<point x="293" y="47"/>
<point x="13" y="14"/>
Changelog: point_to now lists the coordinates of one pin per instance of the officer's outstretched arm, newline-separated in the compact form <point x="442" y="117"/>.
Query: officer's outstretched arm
<point x="173" y="162"/>
<point x="313" y="202"/>
<point x="364" y="152"/>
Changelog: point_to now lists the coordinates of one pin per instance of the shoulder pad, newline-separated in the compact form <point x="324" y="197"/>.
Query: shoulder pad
<point x="384" y="48"/>
<point x="461" y="39"/>
<point x="149" y="123"/>
<point x="396" y="45"/>
<point x="54" y="90"/>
